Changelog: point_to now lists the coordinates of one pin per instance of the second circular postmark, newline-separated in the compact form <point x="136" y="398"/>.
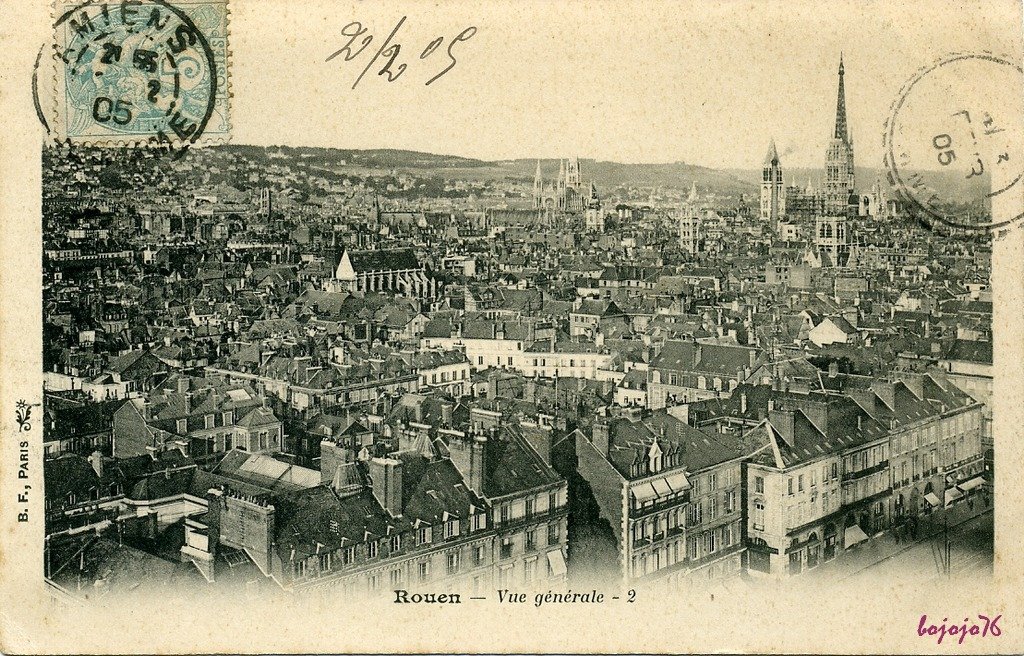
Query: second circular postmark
<point x="954" y="143"/>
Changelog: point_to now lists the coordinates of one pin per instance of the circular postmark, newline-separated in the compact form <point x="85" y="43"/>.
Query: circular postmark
<point x="133" y="72"/>
<point x="954" y="143"/>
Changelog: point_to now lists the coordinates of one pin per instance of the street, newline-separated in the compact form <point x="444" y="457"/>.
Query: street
<point x="971" y="554"/>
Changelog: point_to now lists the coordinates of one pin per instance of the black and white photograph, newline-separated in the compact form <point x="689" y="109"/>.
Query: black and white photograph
<point x="589" y="308"/>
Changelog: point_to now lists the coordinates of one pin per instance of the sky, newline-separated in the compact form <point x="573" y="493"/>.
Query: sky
<point x="702" y="83"/>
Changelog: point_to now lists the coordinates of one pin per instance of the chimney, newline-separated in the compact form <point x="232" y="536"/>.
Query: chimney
<point x="743" y="403"/>
<point x="477" y="462"/>
<point x="386" y="482"/>
<point x="753" y="357"/>
<point x="96" y="460"/>
<point x="833" y="369"/>
<point x="602" y="436"/>
<point x="182" y="385"/>
<point x="784" y="422"/>
<point x="446" y="414"/>
<point x="417" y="412"/>
<point x="188" y="403"/>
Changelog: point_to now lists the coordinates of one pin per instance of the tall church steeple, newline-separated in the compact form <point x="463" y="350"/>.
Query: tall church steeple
<point x="839" y="168"/>
<point x="841" y="130"/>
<point x="773" y="190"/>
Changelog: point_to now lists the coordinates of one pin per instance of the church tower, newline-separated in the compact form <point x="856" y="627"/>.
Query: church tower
<point x="773" y="193"/>
<point x="538" y="188"/>
<point x="573" y="175"/>
<point x="839" y="173"/>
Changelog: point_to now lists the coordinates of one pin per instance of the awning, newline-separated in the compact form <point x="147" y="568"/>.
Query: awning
<point x="952" y="494"/>
<point x="557" y="562"/>
<point x="854" y="536"/>
<point x="678" y="481"/>
<point x="932" y="499"/>
<point x="643" y="492"/>
<point x="661" y="487"/>
<point x="967" y="486"/>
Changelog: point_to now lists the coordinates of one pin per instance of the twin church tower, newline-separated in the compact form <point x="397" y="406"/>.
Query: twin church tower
<point x="838" y="193"/>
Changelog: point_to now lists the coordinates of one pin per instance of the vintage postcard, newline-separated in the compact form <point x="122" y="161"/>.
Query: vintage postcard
<point x="494" y="326"/>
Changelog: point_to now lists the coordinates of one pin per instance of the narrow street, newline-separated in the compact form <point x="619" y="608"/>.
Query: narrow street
<point x="971" y="554"/>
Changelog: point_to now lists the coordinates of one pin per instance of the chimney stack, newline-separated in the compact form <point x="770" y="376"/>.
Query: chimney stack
<point x="477" y="462"/>
<point x="743" y="403"/>
<point x="386" y="483"/>
<point x="446" y="414"/>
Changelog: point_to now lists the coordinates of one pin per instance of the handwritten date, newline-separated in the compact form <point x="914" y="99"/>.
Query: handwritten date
<point x="387" y="54"/>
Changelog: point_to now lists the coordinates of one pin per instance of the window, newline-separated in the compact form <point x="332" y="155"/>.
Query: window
<point x="552" y="500"/>
<point x="712" y="482"/>
<point x="791" y="485"/>
<point x="694" y="514"/>
<point x="726" y="535"/>
<point x="424" y="535"/>
<point x="799" y="483"/>
<point x="758" y="517"/>
<point x="371" y="549"/>
<point x="348" y="556"/>
<point x="529" y="508"/>
<point x="208" y="421"/>
<point x="553" y="534"/>
<point x="835" y="470"/>
<point x="814" y="479"/>
<point x="479" y="521"/>
<point x="374" y="582"/>
<point x="506" y="547"/>
<point x="531" y="540"/>
<point x="453" y="562"/>
<point x="478" y="555"/>
<point x="299" y="568"/>
<point x="712" y="508"/>
<point x="325" y="562"/>
<point x="530" y="571"/>
<point x="451" y="528"/>
<point x="730" y="502"/>
<point x="182" y="426"/>
<point x="395" y="543"/>
<point x="710" y="543"/>
<point x="505" y="511"/>
<point x="396" y="578"/>
<point x="759" y="484"/>
<point x="424" y="570"/>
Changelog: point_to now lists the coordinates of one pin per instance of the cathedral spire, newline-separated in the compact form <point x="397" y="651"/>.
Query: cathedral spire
<point x="841" y="131"/>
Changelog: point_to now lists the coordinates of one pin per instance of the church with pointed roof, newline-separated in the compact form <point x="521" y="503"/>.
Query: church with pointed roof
<point x="568" y="193"/>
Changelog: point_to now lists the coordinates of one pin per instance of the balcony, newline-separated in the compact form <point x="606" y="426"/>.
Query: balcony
<point x="867" y="471"/>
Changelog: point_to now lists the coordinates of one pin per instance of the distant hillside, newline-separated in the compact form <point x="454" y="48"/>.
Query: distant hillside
<point x="606" y="175"/>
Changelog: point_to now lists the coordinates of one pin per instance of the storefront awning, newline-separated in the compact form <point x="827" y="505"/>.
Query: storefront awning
<point x="967" y="486"/>
<point x="643" y="492"/>
<point x="854" y="536"/>
<point x="557" y="562"/>
<point x="952" y="494"/>
<point x="661" y="487"/>
<point x="677" y="481"/>
<point x="932" y="499"/>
